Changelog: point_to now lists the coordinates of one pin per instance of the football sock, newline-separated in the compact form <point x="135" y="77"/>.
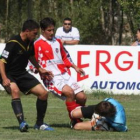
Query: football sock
<point x="70" y="106"/>
<point x="17" y="108"/>
<point x="41" y="106"/>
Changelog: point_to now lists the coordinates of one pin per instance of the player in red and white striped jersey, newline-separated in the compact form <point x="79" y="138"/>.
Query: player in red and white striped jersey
<point x="51" y="55"/>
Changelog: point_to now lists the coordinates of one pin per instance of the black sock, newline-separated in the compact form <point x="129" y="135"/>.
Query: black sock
<point x="17" y="108"/>
<point x="41" y="106"/>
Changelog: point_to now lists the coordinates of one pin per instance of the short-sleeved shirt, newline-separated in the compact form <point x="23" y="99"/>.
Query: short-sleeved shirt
<point x="16" y="55"/>
<point x="118" y="121"/>
<point x="73" y="34"/>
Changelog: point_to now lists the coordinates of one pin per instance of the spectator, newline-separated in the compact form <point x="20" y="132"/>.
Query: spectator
<point x="14" y="77"/>
<point x="137" y="42"/>
<point x="51" y="55"/>
<point x="67" y="34"/>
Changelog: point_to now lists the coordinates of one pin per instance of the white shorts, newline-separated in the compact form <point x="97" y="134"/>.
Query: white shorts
<point x="59" y="81"/>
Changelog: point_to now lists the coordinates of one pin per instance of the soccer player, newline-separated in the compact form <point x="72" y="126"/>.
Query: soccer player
<point x="14" y="77"/>
<point x="51" y="55"/>
<point x="111" y="109"/>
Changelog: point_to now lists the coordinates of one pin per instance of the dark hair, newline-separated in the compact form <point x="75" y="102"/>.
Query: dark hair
<point x="46" y="22"/>
<point x="105" y="109"/>
<point x="30" y="25"/>
<point x="69" y="19"/>
<point x="138" y="29"/>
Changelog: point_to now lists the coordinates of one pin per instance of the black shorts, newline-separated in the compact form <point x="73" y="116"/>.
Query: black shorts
<point x="25" y="81"/>
<point x="87" y="111"/>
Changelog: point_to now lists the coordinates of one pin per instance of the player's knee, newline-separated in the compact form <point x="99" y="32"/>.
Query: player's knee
<point x="69" y="93"/>
<point x="15" y="93"/>
<point x="43" y="95"/>
<point x="74" y="113"/>
<point x="81" y="98"/>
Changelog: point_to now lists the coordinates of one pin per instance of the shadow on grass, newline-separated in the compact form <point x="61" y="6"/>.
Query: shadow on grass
<point x="60" y="125"/>
<point x="14" y="128"/>
<point x="32" y="127"/>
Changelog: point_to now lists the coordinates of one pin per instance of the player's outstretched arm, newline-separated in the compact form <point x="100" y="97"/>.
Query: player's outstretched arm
<point x="34" y="62"/>
<point x="42" y="71"/>
<point x="70" y="42"/>
<point x="78" y="70"/>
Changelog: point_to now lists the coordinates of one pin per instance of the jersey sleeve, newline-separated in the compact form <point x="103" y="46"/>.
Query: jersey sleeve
<point x="8" y="52"/>
<point x="76" y="35"/>
<point x="32" y="52"/>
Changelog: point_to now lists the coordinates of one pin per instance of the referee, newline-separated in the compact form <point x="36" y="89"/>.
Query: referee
<point x="14" y="77"/>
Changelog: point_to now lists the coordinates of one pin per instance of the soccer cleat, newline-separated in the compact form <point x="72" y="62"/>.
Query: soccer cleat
<point x="23" y="127"/>
<point x="43" y="127"/>
<point x="74" y="121"/>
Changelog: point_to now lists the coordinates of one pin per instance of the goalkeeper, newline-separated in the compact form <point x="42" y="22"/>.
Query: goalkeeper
<point x="111" y="109"/>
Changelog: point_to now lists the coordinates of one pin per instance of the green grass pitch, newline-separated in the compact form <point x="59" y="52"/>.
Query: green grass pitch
<point x="57" y="117"/>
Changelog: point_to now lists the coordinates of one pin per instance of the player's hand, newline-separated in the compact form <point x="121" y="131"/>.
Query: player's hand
<point x="6" y="82"/>
<point x="44" y="71"/>
<point x="49" y="76"/>
<point x="78" y="70"/>
<point x="81" y="71"/>
<point x="46" y="74"/>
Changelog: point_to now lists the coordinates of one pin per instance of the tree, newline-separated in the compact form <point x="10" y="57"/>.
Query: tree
<point x="99" y="21"/>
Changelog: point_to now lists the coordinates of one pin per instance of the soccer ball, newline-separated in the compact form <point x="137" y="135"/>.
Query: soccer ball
<point x="99" y="123"/>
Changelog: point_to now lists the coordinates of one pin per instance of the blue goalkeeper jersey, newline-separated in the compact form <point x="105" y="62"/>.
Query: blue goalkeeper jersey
<point x="118" y="122"/>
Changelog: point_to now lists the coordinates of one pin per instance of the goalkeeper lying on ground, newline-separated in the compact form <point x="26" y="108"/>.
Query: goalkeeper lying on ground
<point x="110" y="109"/>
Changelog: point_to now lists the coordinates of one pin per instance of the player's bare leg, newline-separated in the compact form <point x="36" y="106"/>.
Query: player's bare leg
<point x="41" y="106"/>
<point x="83" y="126"/>
<point x="71" y="104"/>
<point x="81" y="98"/>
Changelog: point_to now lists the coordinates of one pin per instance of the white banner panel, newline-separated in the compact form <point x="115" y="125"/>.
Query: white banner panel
<point x="2" y="46"/>
<point x="109" y="68"/>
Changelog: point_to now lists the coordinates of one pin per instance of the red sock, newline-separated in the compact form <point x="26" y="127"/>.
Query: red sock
<point x="70" y="106"/>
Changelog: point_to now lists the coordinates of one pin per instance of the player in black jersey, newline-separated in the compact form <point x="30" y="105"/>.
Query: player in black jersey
<point x="14" y="77"/>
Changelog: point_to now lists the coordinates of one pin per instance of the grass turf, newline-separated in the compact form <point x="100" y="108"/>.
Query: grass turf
<point x="57" y="117"/>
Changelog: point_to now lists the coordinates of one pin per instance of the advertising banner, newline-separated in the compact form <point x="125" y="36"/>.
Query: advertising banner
<point x="107" y="68"/>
